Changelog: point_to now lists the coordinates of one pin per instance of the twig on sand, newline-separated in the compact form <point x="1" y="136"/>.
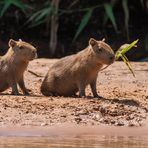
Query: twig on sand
<point x="35" y="74"/>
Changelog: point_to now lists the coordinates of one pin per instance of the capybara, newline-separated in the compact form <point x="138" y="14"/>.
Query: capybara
<point x="73" y="73"/>
<point x="13" y="64"/>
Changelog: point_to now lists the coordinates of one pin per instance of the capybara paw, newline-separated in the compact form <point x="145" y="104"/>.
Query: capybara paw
<point x="29" y="90"/>
<point x="26" y="93"/>
<point x="82" y="96"/>
<point x="15" y="93"/>
<point x="97" y="96"/>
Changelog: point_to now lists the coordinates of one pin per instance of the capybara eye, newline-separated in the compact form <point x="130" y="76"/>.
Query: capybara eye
<point x="21" y="47"/>
<point x="100" y="49"/>
<point x="33" y="52"/>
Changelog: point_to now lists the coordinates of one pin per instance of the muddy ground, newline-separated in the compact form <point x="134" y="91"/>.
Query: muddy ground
<point x="124" y="103"/>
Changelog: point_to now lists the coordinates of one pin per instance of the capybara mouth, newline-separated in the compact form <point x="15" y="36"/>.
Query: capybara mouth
<point x="111" y="60"/>
<point x="33" y="57"/>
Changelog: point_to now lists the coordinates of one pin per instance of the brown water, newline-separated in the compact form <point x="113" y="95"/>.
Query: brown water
<point x="70" y="136"/>
<point x="77" y="142"/>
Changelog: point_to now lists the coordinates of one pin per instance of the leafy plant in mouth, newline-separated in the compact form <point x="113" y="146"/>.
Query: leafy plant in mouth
<point x="121" y="54"/>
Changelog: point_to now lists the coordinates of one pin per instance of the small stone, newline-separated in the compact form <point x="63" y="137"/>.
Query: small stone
<point x="78" y="120"/>
<point x="64" y="116"/>
<point x="112" y="122"/>
<point x="44" y="124"/>
<point x="120" y="124"/>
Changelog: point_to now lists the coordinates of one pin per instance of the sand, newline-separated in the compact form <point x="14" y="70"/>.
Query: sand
<point x="124" y="103"/>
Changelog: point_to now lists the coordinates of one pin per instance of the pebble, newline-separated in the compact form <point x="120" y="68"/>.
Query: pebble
<point x="44" y="124"/>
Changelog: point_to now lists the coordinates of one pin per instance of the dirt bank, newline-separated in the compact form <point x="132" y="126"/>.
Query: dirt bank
<point x="125" y="100"/>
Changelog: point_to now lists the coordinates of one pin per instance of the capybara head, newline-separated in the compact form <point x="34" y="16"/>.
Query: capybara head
<point x="103" y="52"/>
<point x="24" y="50"/>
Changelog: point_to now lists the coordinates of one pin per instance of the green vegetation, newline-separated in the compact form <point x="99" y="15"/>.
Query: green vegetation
<point x="6" y="4"/>
<point x="121" y="54"/>
<point x="55" y="19"/>
<point x="83" y="23"/>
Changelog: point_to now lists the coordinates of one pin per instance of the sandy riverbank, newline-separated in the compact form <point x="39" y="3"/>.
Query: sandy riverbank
<point x="125" y="100"/>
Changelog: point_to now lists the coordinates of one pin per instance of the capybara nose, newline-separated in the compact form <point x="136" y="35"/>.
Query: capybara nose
<point x="34" y="54"/>
<point x="112" y="57"/>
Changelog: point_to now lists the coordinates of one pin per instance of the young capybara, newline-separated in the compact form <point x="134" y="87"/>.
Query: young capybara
<point x="73" y="73"/>
<point x="13" y="64"/>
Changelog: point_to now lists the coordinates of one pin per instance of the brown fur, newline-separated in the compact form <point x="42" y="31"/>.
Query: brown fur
<point x="13" y="64"/>
<point x="73" y="73"/>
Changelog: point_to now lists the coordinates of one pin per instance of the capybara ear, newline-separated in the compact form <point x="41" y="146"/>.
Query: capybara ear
<point x="12" y="43"/>
<point x="92" y="42"/>
<point x="103" y="40"/>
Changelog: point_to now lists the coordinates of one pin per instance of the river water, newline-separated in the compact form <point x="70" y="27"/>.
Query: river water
<point x="69" y="136"/>
<point x="77" y="142"/>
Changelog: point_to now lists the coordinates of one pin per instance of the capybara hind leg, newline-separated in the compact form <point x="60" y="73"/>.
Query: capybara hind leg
<point x="3" y="87"/>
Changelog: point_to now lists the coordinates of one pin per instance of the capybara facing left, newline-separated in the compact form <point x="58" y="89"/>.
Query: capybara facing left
<point x="73" y="73"/>
<point x="13" y="64"/>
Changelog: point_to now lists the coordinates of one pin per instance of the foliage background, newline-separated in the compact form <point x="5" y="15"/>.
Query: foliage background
<point x="63" y="27"/>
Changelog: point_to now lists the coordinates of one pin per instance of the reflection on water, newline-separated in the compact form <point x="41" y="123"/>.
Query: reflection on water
<point x="76" y="142"/>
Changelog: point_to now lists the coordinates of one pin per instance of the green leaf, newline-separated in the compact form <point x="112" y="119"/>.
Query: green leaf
<point x="36" y="24"/>
<point x="7" y="3"/>
<point x="83" y="22"/>
<point x="109" y="11"/>
<point x="121" y="54"/>
<point x="44" y="13"/>
<point x="122" y="50"/>
<point x="126" y="13"/>
<point x="40" y="16"/>
<point x="5" y="7"/>
<point x="19" y="4"/>
<point x="112" y="3"/>
<point x="34" y="16"/>
<point x="126" y="61"/>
